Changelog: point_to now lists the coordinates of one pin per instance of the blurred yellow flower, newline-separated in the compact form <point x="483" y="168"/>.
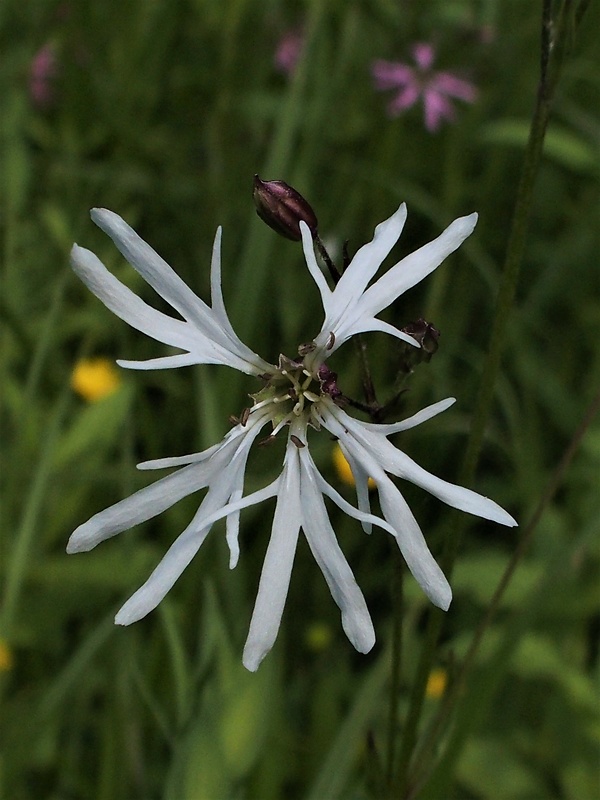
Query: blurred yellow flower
<point x="6" y="657"/>
<point x="436" y="683"/>
<point x="342" y="467"/>
<point x="95" y="378"/>
<point x="318" y="636"/>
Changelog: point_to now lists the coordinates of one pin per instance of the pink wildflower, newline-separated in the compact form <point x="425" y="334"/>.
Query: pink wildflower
<point x="42" y="73"/>
<point x="288" y="51"/>
<point x="421" y="82"/>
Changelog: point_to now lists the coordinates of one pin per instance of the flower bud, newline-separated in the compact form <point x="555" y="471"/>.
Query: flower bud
<point x="283" y="208"/>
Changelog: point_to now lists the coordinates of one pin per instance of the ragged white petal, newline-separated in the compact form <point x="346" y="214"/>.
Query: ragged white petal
<point x="361" y="482"/>
<point x="342" y="305"/>
<point x="235" y="345"/>
<point x="154" y="269"/>
<point x="129" y="307"/>
<point x="224" y="468"/>
<point x="412" y="544"/>
<point x="232" y="531"/>
<point x="141" y="506"/>
<point x="162" y="579"/>
<point x="349" y="509"/>
<point x="207" y="334"/>
<point x="410" y="422"/>
<point x="368" y="324"/>
<point x="124" y="303"/>
<point x="277" y="566"/>
<point x="176" y="559"/>
<point x="397" y="513"/>
<point x="455" y="496"/>
<point x="178" y="461"/>
<point x="398" y="463"/>
<point x="365" y="263"/>
<point x="206" y="353"/>
<point x="216" y="292"/>
<point x="313" y="267"/>
<point x="233" y="506"/>
<point x="167" y="362"/>
<point x="416" y="266"/>
<point x="324" y="546"/>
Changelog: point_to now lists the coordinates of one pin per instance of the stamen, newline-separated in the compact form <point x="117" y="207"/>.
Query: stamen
<point x="298" y="442"/>
<point x="330" y="341"/>
<point x="314" y="398"/>
<point x="244" y="417"/>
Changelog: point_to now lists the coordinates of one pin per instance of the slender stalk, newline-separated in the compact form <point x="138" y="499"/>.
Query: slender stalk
<point x="396" y="668"/>
<point x="367" y="378"/>
<point x="552" y="52"/>
<point x="333" y="271"/>
<point x="457" y="687"/>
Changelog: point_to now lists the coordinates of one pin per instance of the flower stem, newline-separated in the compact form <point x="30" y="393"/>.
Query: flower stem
<point x="333" y="270"/>
<point x="397" y="601"/>
<point x="554" y="35"/>
<point x="460" y="682"/>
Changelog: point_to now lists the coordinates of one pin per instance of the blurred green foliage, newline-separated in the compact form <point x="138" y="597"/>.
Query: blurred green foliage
<point x="163" y="112"/>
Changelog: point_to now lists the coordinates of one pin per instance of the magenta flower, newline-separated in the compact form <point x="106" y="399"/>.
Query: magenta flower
<point x="421" y="82"/>
<point x="288" y="51"/>
<point x="42" y="74"/>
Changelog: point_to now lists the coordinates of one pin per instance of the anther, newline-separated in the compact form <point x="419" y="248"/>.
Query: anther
<point x="330" y="341"/>
<point x="244" y="417"/>
<point x="298" y="442"/>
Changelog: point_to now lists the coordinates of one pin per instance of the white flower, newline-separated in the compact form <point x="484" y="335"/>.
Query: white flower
<point x="296" y="394"/>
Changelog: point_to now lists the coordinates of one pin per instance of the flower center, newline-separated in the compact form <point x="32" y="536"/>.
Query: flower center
<point x="294" y="391"/>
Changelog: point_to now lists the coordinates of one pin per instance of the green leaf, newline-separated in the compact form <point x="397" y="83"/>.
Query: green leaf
<point x="96" y="427"/>
<point x="560" y="144"/>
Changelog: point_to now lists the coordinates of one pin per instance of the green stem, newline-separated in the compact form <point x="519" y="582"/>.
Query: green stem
<point x="367" y="378"/>
<point x="460" y="682"/>
<point x="396" y="663"/>
<point x="551" y="59"/>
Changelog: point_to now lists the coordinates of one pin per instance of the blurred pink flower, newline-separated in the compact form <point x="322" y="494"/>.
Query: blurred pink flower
<point x="421" y="82"/>
<point x="288" y="51"/>
<point x="42" y="73"/>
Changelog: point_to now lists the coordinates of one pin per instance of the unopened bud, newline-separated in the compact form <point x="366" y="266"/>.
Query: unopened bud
<point x="283" y="208"/>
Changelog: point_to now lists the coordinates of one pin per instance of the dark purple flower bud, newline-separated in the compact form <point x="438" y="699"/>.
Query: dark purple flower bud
<point x="283" y="208"/>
